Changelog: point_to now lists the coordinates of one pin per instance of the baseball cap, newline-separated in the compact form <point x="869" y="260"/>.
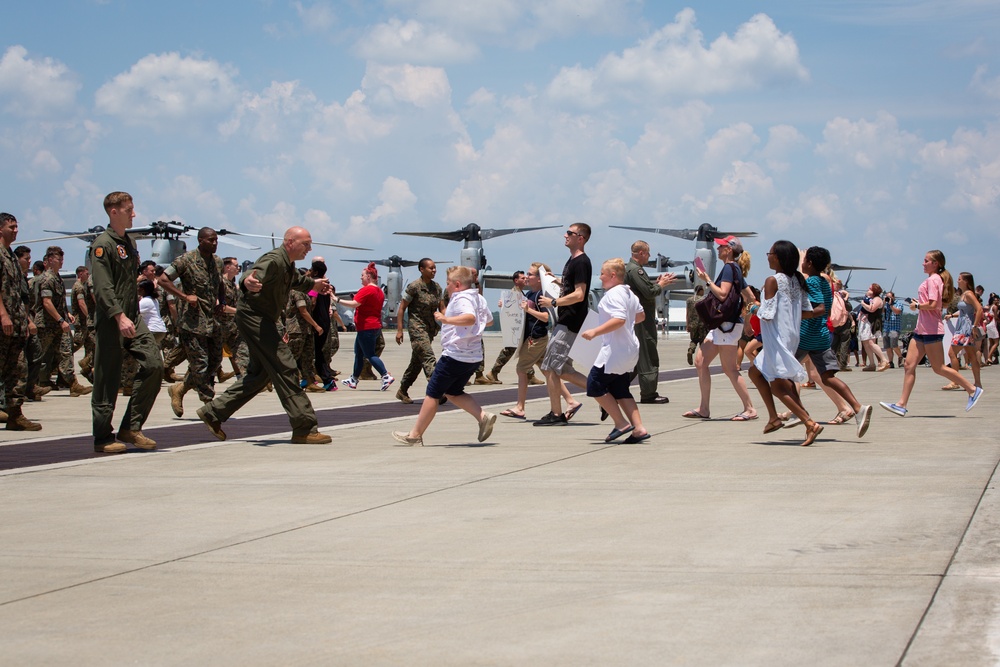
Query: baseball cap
<point x="733" y="243"/>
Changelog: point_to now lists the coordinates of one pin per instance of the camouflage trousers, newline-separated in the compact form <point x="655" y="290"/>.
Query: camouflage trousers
<point x="238" y="351"/>
<point x="56" y="355"/>
<point x="86" y="335"/>
<point x="421" y="358"/>
<point x="204" y="356"/>
<point x="173" y="352"/>
<point x="27" y="365"/>
<point x="11" y="347"/>
<point x="304" y="351"/>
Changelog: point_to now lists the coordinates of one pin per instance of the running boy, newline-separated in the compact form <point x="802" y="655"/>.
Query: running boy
<point x="463" y="323"/>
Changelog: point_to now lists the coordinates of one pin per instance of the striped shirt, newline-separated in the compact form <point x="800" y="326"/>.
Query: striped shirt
<point x="813" y="334"/>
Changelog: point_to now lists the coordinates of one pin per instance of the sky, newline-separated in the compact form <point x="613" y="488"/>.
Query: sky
<point x="868" y="127"/>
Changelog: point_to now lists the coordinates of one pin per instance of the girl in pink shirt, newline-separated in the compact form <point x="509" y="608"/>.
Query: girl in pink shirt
<point x="937" y="290"/>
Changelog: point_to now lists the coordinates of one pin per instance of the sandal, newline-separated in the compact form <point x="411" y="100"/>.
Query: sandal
<point x="841" y="418"/>
<point x="773" y="425"/>
<point x="617" y="433"/>
<point x="572" y="411"/>
<point x="743" y="417"/>
<point x="812" y="434"/>
<point x="511" y="413"/>
<point x="951" y="386"/>
<point x="694" y="414"/>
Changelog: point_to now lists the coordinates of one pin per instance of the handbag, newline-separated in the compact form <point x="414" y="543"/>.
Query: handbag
<point x="715" y="312"/>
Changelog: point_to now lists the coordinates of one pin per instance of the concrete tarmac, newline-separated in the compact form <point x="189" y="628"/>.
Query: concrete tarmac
<point x="709" y="544"/>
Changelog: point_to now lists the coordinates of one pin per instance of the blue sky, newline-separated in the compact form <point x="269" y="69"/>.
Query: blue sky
<point x="868" y="127"/>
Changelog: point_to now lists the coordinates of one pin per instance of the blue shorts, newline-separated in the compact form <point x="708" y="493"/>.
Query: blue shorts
<point x="927" y="339"/>
<point x="600" y="383"/>
<point x="450" y="377"/>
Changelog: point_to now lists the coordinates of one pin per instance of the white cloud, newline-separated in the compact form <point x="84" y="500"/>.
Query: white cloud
<point x="32" y="88"/>
<point x="985" y="85"/>
<point x="867" y="144"/>
<point x="395" y="199"/>
<point x="809" y="210"/>
<point x="420" y="86"/>
<point x="318" y="17"/>
<point x="268" y="116"/>
<point x="168" y="89"/>
<point x="411" y="41"/>
<point x="186" y="188"/>
<point x="44" y="161"/>
<point x="674" y="62"/>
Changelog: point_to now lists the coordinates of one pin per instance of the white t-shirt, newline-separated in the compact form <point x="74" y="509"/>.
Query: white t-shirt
<point x="149" y="309"/>
<point x="620" y="348"/>
<point x="465" y="343"/>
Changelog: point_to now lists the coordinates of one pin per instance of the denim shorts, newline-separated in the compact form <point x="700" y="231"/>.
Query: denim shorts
<point x="927" y="339"/>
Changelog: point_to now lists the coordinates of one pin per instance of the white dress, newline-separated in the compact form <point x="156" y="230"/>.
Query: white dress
<point x="780" y="317"/>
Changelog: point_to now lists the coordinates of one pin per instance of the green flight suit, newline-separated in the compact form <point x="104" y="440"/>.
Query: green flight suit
<point x="257" y="315"/>
<point x="648" y="367"/>
<point x="114" y="266"/>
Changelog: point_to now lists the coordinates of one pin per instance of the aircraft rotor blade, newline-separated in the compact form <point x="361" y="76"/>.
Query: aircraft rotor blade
<point x="334" y="245"/>
<point x="686" y="234"/>
<point x="842" y="267"/>
<point x="493" y="233"/>
<point x="458" y="235"/>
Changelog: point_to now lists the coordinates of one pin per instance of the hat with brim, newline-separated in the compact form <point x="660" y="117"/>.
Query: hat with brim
<point x="733" y="243"/>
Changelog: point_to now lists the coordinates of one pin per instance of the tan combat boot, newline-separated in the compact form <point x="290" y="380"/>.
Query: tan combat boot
<point x="40" y="391"/>
<point x="16" y="421"/>
<point x="223" y="375"/>
<point x="110" y="447"/>
<point x="491" y="376"/>
<point x="176" y="393"/>
<point x="403" y="396"/>
<point x="137" y="439"/>
<point x="77" y="390"/>
<point x="314" y="438"/>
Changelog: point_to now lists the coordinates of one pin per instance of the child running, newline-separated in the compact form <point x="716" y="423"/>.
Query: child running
<point x="463" y="323"/>
<point x="608" y="382"/>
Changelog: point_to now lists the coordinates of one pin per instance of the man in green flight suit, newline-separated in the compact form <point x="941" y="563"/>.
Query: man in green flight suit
<point x="646" y="289"/>
<point x="118" y="328"/>
<point x="263" y="295"/>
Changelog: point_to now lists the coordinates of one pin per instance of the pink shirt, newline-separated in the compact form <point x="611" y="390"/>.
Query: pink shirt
<point x="929" y="322"/>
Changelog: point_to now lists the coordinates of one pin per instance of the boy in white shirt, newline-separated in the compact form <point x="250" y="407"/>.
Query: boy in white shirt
<point x="467" y="316"/>
<point x="609" y="379"/>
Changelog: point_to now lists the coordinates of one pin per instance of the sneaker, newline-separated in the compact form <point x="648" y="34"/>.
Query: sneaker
<point x="331" y="385"/>
<point x="303" y="384"/>
<point x="403" y="396"/>
<point x="792" y="422"/>
<point x="974" y="399"/>
<point x="863" y="419"/>
<point x="892" y="365"/>
<point x="350" y="383"/>
<point x="213" y="425"/>
<point x="895" y="409"/>
<point x="137" y="439"/>
<point x="400" y="436"/>
<point x="314" y="438"/>
<point x="552" y="420"/>
<point x="387" y="381"/>
<point x="486" y="425"/>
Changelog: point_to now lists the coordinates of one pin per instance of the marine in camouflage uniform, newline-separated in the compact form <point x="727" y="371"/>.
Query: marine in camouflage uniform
<point x="422" y="298"/>
<point x="13" y="326"/>
<point x="238" y="350"/>
<point x="54" y="336"/>
<point x="200" y="273"/>
<point x="646" y="289"/>
<point x="27" y="361"/>
<point x="83" y="290"/>
<point x="695" y="326"/>
<point x="173" y="353"/>
<point x="299" y="326"/>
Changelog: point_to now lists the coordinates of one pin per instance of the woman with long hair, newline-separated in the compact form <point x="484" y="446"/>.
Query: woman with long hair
<point x="775" y="370"/>
<point x="722" y="341"/>
<point x="992" y="333"/>
<point x="968" y="318"/>
<point x="368" y="303"/>
<point x="936" y="290"/>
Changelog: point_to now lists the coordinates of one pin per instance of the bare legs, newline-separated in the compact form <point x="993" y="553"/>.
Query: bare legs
<point x="914" y="353"/>
<point x="728" y="355"/>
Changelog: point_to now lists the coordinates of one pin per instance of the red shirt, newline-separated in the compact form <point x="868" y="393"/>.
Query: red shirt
<point x="369" y="312"/>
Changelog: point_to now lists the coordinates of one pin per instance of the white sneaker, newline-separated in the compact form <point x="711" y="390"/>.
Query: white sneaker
<point x="863" y="418"/>
<point x="387" y="381"/>
<point x="350" y="383"/>
<point x="792" y="423"/>
<point x="486" y="425"/>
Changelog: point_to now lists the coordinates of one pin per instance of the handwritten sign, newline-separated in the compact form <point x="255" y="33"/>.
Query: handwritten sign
<point x="584" y="352"/>
<point x="511" y="317"/>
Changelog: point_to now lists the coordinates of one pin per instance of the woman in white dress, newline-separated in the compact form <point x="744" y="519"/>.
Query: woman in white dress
<point x="775" y="371"/>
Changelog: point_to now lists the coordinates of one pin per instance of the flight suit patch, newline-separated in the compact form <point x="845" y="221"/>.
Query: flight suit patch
<point x="122" y="252"/>
<point x="98" y="252"/>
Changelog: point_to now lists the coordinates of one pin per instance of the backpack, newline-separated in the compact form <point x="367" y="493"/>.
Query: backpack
<point x="838" y="312"/>
<point x="714" y="313"/>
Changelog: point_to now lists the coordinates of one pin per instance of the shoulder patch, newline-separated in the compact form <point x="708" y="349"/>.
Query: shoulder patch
<point x="98" y="252"/>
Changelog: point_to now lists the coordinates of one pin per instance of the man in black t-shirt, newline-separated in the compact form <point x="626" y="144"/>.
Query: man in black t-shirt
<point x="572" y="306"/>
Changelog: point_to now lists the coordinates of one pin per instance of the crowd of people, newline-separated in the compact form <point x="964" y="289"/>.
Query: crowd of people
<point x="136" y="322"/>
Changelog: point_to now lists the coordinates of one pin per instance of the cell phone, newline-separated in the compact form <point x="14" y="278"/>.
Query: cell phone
<point x="700" y="265"/>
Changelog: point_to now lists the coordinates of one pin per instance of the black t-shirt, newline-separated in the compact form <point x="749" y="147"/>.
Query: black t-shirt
<point x="577" y="270"/>
<point x="731" y="273"/>
<point x="321" y="311"/>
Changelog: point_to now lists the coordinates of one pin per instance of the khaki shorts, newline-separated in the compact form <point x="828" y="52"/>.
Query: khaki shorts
<point x="532" y="352"/>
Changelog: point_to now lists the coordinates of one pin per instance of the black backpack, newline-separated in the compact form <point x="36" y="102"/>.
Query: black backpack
<point x="714" y="312"/>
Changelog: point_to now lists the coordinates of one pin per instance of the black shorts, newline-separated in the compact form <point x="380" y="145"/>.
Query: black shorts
<point x="450" y="377"/>
<point x="600" y="383"/>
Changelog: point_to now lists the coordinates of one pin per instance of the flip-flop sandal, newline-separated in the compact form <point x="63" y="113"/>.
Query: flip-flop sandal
<point x="617" y="433"/>
<point x="511" y="413"/>
<point x="634" y="439"/>
<point x="773" y="425"/>
<point x="743" y="417"/>
<point x="950" y="387"/>
<point x="841" y="418"/>
<point x="572" y="411"/>
<point x="694" y="414"/>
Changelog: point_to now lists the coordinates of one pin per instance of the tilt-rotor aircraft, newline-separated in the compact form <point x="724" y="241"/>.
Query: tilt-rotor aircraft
<point x="472" y="254"/>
